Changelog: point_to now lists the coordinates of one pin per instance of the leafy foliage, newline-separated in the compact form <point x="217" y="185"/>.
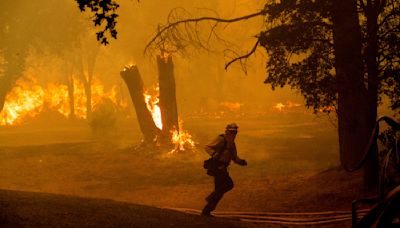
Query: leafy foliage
<point x="104" y="11"/>
<point x="300" y="48"/>
<point x="104" y="118"/>
<point x="389" y="53"/>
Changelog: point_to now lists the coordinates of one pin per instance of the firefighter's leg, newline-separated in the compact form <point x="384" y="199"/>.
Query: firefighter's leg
<point x="223" y="183"/>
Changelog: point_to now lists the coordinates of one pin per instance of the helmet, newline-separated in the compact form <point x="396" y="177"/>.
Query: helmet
<point x="231" y="127"/>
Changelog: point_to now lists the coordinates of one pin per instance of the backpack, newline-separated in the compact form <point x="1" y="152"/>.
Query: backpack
<point x="212" y="164"/>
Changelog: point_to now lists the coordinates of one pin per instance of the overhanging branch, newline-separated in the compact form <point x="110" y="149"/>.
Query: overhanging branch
<point x="200" y="19"/>
<point x="243" y="56"/>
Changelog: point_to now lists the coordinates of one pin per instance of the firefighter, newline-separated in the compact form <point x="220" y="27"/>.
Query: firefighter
<point x="223" y="149"/>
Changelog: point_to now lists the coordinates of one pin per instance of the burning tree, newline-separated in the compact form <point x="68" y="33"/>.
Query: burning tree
<point x="134" y="82"/>
<point x="168" y="105"/>
<point x="157" y="114"/>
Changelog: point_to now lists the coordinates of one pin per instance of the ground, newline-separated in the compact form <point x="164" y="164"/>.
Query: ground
<point x="293" y="167"/>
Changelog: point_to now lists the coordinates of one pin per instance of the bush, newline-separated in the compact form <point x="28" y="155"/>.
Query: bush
<point x="104" y="116"/>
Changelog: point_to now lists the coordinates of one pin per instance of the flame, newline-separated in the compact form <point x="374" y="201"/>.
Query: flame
<point x="181" y="139"/>
<point x="279" y="106"/>
<point x="28" y="98"/>
<point x="23" y="101"/>
<point x="152" y="105"/>
<point x="231" y="106"/>
<point x="327" y="109"/>
<point x="284" y="107"/>
<point x="165" y="56"/>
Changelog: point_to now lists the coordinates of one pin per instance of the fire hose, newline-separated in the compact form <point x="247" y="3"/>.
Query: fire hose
<point x="281" y="218"/>
<point x="372" y="140"/>
<point x="368" y="151"/>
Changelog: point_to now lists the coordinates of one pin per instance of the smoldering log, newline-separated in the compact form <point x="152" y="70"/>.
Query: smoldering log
<point x="134" y="81"/>
<point x="167" y="87"/>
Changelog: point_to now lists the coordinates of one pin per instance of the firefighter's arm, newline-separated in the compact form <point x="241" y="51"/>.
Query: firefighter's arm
<point x="236" y="158"/>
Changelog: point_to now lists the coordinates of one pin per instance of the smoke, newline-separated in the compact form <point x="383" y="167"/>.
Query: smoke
<point x="65" y="51"/>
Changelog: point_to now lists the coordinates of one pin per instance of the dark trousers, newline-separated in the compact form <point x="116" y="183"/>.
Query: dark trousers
<point x="223" y="183"/>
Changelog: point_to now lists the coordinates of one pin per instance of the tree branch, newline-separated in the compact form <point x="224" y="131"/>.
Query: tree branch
<point x="243" y="56"/>
<point x="196" y="20"/>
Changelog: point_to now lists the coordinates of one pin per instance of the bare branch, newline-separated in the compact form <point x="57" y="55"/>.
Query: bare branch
<point x="200" y="19"/>
<point x="243" y="56"/>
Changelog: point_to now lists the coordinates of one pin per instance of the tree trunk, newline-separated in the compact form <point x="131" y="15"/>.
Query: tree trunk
<point x="91" y="61"/>
<point x="88" y="91"/>
<point x="71" y="98"/>
<point x="372" y="12"/>
<point x="3" y="92"/>
<point x="133" y="80"/>
<point x="13" y="71"/>
<point x="353" y="106"/>
<point x="168" y="107"/>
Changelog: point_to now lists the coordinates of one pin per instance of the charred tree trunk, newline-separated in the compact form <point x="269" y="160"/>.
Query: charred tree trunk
<point x="133" y="80"/>
<point x="353" y="106"/>
<point x="169" y="111"/>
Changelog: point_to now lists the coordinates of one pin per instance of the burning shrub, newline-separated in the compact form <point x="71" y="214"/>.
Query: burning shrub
<point x="104" y="117"/>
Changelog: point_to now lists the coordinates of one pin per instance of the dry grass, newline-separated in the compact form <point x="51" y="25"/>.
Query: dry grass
<point x="284" y="173"/>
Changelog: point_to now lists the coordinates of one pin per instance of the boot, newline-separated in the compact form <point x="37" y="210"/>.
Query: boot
<point x="206" y="211"/>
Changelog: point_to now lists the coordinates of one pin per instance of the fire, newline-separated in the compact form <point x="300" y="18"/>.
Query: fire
<point x="181" y="139"/>
<point x="165" y="56"/>
<point x="327" y="109"/>
<point x="231" y="106"/>
<point x="152" y="105"/>
<point x="289" y="105"/>
<point x="279" y="106"/>
<point x="23" y="101"/>
<point x="28" y="98"/>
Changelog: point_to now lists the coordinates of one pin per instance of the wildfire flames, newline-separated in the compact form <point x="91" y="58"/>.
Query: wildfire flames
<point x="231" y="106"/>
<point x="289" y="104"/>
<point x="181" y="139"/>
<point x="28" y="99"/>
<point x="24" y="100"/>
<point x="152" y="101"/>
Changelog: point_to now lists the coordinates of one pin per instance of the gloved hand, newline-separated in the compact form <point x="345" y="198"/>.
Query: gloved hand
<point x="243" y="162"/>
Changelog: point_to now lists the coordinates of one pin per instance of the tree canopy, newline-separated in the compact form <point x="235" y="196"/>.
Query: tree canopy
<point x="104" y="13"/>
